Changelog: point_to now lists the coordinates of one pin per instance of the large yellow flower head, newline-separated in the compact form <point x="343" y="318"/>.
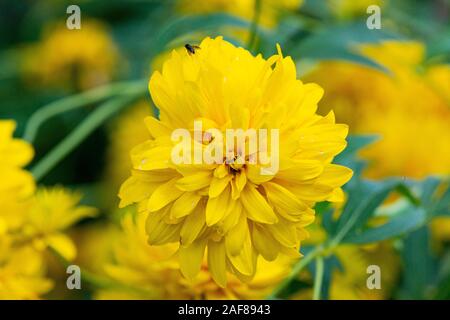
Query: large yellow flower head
<point x="234" y="207"/>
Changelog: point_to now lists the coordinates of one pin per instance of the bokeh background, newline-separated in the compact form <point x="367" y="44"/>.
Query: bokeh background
<point x="392" y="86"/>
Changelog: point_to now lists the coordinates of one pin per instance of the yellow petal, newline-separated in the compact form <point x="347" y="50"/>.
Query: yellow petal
<point x="150" y="156"/>
<point x="253" y="173"/>
<point x="300" y="170"/>
<point x="245" y="260"/>
<point x="236" y="236"/>
<point x="217" y="262"/>
<point x="264" y="243"/>
<point x="184" y="204"/>
<point x="218" y="185"/>
<point x="134" y="190"/>
<point x="335" y="175"/>
<point x="192" y="226"/>
<point x="221" y="171"/>
<point x="163" y="195"/>
<point x="156" y="127"/>
<point x="284" y="232"/>
<point x="256" y="206"/>
<point x="195" y="181"/>
<point x="217" y="207"/>
<point x="284" y="200"/>
<point x="191" y="258"/>
<point x="160" y="232"/>
<point x="63" y="245"/>
<point x="337" y="195"/>
<point x="241" y="180"/>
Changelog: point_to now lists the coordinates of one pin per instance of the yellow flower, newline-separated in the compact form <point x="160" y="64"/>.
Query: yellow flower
<point x="151" y="272"/>
<point x="22" y="273"/>
<point x="408" y="109"/>
<point x="49" y="214"/>
<point x="16" y="184"/>
<point x="270" y="9"/>
<point x="351" y="282"/>
<point x="21" y="268"/>
<point x="349" y="279"/>
<point x="76" y="59"/>
<point x="234" y="209"/>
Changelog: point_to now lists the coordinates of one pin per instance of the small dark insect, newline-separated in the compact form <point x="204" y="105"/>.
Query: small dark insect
<point x="191" y="48"/>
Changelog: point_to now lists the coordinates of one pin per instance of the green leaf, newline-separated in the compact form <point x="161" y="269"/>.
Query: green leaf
<point x="354" y="144"/>
<point x="364" y="198"/>
<point x="420" y="271"/>
<point x="339" y="42"/>
<point x="403" y="223"/>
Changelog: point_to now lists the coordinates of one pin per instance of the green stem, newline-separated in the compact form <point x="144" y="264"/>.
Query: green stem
<point x="318" y="278"/>
<point x="77" y="101"/>
<point x="297" y="268"/>
<point x="86" y="127"/>
<point x="254" y="26"/>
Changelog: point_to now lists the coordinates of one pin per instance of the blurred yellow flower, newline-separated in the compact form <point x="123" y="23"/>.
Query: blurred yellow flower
<point x="21" y="268"/>
<point x="151" y="272"/>
<point x="50" y="213"/>
<point x="408" y="109"/>
<point x="29" y="221"/>
<point x="43" y="219"/>
<point x="76" y="59"/>
<point x="16" y="184"/>
<point x="350" y="283"/>
<point x="270" y="9"/>
<point x="349" y="278"/>
<point x="234" y="211"/>
<point x="21" y="273"/>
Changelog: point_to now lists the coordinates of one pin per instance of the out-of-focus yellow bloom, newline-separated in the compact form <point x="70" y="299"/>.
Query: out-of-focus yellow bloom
<point x="349" y="279"/>
<point x="76" y="59"/>
<point x="30" y="221"/>
<point x="270" y="9"/>
<point x="151" y="272"/>
<point x="15" y="183"/>
<point x="350" y="8"/>
<point x="351" y="282"/>
<point x="234" y="212"/>
<point x="43" y="218"/>
<point x="440" y="228"/>
<point x="408" y="109"/>
<point x="49" y="214"/>
<point x="21" y="268"/>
